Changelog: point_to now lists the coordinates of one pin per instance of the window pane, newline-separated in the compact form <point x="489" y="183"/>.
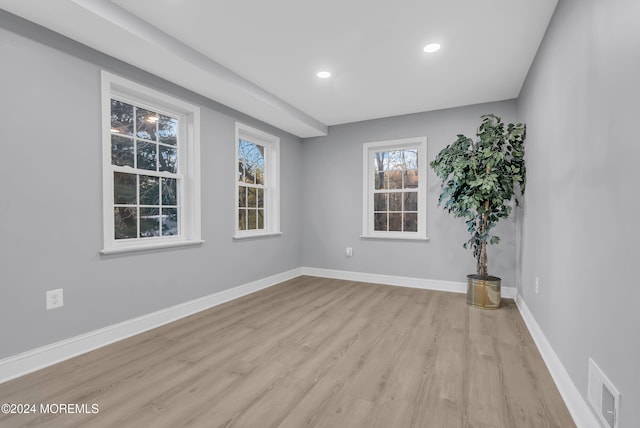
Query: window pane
<point x="168" y="158"/>
<point x="125" y="222"/>
<point x="251" y="219"/>
<point x="149" y="190"/>
<point x="242" y="196"/>
<point x="147" y="155"/>
<point x="121" y="118"/>
<point x="411" y="222"/>
<point x="380" y="221"/>
<point x="379" y="161"/>
<point x="396" y="160"/>
<point x="380" y="201"/>
<point x="149" y="222"/>
<point x="251" y="197"/>
<point x="395" y="201"/>
<point x="146" y="122"/>
<point x="169" y="221"/>
<point x="168" y="130"/>
<point x="395" y="179"/>
<point x="411" y="201"/>
<point x="249" y="174"/>
<point x="242" y="219"/>
<point x="124" y="188"/>
<point x="259" y="168"/>
<point x="380" y="181"/>
<point x="121" y="151"/>
<point x="395" y="222"/>
<point x="169" y="191"/>
<point x="244" y="147"/>
<point x="251" y="159"/>
<point x="260" y="219"/>
<point x="411" y="159"/>
<point x="411" y="179"/>
<point x="260" y="198"/>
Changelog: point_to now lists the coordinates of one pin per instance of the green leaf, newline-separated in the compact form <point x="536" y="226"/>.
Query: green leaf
<point x="491" y="168"/>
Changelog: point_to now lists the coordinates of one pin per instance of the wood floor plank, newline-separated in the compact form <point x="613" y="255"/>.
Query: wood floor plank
<point x="310" y="352"/>
<point x="311" y="405"/>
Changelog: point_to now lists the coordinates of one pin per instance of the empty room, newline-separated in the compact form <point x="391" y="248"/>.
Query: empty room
<point x="419" y="213"/>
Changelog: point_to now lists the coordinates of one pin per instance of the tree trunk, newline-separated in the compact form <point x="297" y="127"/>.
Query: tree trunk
<point x="482" y="268"/>
<point x="483" y="259"/>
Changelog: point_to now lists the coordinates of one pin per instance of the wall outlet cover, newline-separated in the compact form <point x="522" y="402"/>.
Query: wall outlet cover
<point x="55" y="299"/>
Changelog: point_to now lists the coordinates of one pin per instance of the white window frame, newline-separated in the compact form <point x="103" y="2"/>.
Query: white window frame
<point x="188" y="115"/>
<point x="271" y="143"/>
<point x="368" y="174"/>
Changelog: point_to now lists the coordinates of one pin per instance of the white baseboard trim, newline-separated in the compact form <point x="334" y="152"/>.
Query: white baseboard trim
<point x="578" y="407"/>
<point x="36" y="359"/>
<point x="401" y="281"/>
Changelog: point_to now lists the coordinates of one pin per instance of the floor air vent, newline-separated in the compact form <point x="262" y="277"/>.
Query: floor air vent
<point x="603" y="396"/>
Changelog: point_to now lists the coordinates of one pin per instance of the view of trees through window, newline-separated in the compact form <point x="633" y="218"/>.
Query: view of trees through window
<point x="144" y="158"/>
<point x="251" y="185"/>
<point x="395" y="195"/>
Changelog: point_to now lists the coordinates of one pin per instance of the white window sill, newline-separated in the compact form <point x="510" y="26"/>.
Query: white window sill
<point x="148" y="247"/>
<point x="396" y="238"/>
<point x="256" y="235"/>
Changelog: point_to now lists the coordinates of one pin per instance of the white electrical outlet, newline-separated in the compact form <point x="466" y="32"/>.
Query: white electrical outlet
<point x="537" y="284"/>
<point x="349" y="252"/>
<point x="54" y="299"/>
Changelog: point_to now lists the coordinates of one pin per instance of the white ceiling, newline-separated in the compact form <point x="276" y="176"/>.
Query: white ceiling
<point x="261" y="57"/>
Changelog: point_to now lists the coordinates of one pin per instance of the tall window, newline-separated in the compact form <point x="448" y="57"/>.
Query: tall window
<point x="394" y="189"/>
<point x="257" y="183"/>
<point x="150" y="168"/>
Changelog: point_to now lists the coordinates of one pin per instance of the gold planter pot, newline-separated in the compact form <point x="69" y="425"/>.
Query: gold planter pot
<point x="483" y="291"/>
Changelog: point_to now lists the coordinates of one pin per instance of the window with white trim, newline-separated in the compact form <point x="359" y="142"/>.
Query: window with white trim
<point x="151" y="173"/>
<point x="394" y="183"/>
<point x="257" y="195"/>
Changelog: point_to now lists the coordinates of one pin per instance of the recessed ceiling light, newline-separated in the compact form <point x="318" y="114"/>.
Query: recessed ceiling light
<point x="323" y="74"/>
<point x="432" y="47"/>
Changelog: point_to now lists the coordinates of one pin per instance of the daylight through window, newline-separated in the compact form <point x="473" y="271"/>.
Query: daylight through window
<point x="144" y="156"/>
<point x="251" y="187"/>
<point x="394" y="189"/>
<point x="150" y="168"/>
<point x="395" y="199"/>
<point x="257" y="203"/>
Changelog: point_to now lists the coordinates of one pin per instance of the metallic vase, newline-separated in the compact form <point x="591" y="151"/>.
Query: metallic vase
<point x="483" y="291"/>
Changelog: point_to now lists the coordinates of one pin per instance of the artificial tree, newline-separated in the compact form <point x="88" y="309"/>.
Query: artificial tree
<point x="481" y="178"/>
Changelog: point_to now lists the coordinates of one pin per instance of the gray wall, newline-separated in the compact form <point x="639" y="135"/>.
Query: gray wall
<point x="580" y="232"/>
<point x="51" y="216"/>
<point x="332" y="202"/>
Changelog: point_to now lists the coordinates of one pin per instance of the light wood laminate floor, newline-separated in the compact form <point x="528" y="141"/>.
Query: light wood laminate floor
<point x="310" y="352"/>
